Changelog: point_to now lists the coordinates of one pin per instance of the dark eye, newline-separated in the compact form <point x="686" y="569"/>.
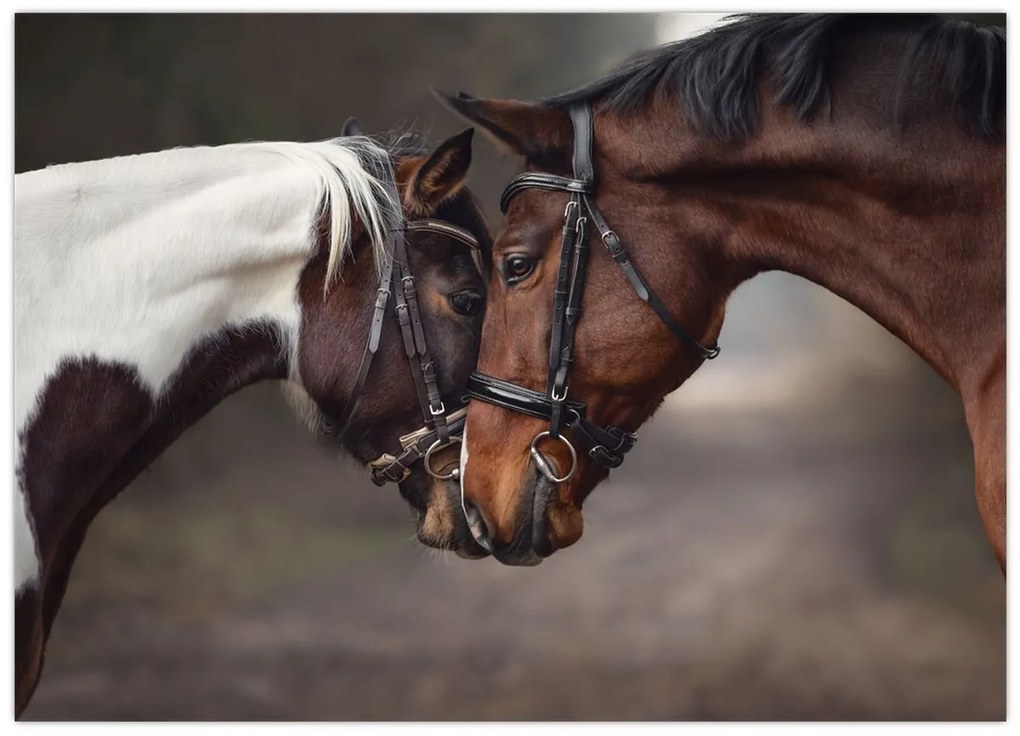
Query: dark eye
<point x="517" y="267"/>
<point x="468" y="303"/>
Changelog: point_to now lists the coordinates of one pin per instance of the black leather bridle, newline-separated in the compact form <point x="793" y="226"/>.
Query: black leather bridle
<point x="606" y="445"/>
<point x="439" y="428"/>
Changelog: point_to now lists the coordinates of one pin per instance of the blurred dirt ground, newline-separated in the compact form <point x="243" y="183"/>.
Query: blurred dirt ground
<point x="777" y="563"/>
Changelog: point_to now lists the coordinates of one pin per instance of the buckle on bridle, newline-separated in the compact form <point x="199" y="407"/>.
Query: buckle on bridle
<point x="605" y="457"/>
<point x="612" y="242"/>
<point x="438" y="411"/>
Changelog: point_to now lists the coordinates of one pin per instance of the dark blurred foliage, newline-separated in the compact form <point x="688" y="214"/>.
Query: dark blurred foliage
<point x="93" y="86"/>
<point x="810" y="554"/>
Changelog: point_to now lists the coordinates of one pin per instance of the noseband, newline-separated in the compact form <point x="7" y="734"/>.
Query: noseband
<point x="439" y="428"/>
<point x="605" y="445"/>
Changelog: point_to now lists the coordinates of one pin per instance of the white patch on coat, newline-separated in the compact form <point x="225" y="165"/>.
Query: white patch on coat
<point x="136" y="259"/>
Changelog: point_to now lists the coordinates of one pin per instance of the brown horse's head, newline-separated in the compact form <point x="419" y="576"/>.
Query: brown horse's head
<point x="451" y="296"/>
<point x="625" y="359"/>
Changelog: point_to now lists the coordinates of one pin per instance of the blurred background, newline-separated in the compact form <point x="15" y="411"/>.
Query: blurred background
<point x="795" y="536"/>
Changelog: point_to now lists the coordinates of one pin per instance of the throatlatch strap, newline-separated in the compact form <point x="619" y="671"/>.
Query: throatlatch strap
<point x="644" y="292"/>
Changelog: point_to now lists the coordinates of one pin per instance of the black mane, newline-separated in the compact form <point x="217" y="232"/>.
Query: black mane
<point x="714" y="76"/>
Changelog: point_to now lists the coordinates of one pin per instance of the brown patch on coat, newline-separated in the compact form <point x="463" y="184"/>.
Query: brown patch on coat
<point x="95" y="429"/>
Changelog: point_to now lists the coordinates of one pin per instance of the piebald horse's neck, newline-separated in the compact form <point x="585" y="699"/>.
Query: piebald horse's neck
<point x="138" y="312"/>
<point x="147" y="289"/>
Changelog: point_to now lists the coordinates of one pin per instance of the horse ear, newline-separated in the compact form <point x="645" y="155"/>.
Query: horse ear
<point x="351" y="127"/>
<point x="518" y="127"/>
<point x="442" y="174"/>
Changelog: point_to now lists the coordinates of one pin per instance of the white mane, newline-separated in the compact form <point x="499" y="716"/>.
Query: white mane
<point x="340" y="164"/>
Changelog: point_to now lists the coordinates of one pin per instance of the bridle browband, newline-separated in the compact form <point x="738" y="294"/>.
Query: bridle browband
<point x="606" y="445"/>
<point x="439" y="427"/>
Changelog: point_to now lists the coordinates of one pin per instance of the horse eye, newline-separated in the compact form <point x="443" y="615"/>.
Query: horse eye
<point x="517" y="267"/>
<point x="468" y="303"/>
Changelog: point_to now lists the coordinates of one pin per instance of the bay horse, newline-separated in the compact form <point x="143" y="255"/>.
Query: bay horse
<point x="863" y="153"/>
<point x="148" y="288"/>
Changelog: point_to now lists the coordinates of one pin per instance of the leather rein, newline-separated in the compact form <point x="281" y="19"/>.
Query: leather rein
<point x="605" y="445"/>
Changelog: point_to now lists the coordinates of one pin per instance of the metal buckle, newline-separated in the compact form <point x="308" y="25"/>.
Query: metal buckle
<point x="582" y="223"/>
<point x="563" y="397"/>
<point x="566" y="210"/>
<point x="544" y="466"/>
<point x="604" y="457"/>
<point x="427" y="460"/>
<point x="437" y="412"/>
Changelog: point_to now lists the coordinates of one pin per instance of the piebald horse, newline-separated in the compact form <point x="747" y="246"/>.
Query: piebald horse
<point x="150" y="287"/>
<point x="863" y="153"/>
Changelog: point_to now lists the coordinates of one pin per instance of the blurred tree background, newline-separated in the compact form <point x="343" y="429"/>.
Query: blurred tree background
<point x="92" y="86"/>
<point x="796" y="536"/>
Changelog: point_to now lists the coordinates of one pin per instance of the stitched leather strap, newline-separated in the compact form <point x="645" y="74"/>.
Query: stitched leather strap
<point x="584" y="141"/>
<point x="607" y="446"/>
<point x="372" y="346"/>
<point x="443" y="228"/>
<point x="540" y="180"/>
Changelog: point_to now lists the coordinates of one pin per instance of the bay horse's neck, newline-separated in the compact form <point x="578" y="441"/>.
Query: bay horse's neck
<point x="909" y="227"/>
